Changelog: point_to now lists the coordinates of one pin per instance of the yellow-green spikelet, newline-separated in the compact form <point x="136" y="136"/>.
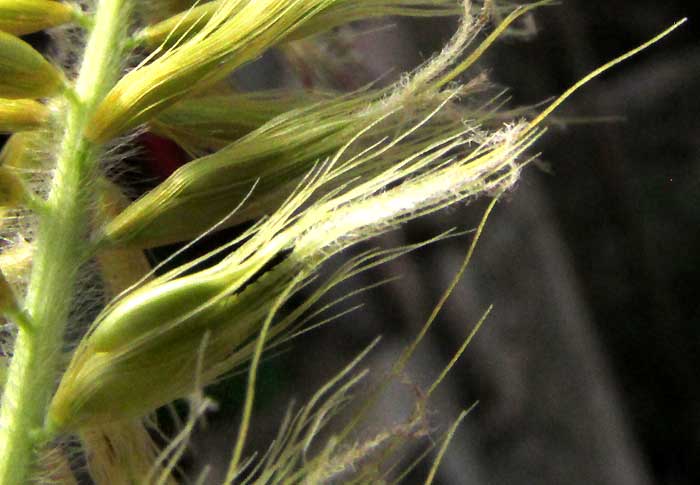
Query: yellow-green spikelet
<point x="22" y="151"/>
<point x="238" y="32"/>
<point x="24" y="73"/>
<point x="20" y="17"/>
<point x="21" y="115"/>
<point x="190" y="21"/>
<point x="128" y="356"/>
<point x="12" y="189"/>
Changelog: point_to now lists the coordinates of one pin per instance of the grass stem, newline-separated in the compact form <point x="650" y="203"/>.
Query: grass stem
<point x="61" y="248"/>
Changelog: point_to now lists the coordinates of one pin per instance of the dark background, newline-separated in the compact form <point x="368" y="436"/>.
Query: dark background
<point x="625" y="199"/>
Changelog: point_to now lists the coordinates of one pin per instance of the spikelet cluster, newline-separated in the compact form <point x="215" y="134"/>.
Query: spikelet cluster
<point x="309" y="170"/>
<point x="313" y="171"/>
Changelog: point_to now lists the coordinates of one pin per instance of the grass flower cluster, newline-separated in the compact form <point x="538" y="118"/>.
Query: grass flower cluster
<point x="312" y="171"/>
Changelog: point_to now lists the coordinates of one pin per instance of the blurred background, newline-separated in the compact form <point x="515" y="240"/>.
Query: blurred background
<point x="587" y="369"/>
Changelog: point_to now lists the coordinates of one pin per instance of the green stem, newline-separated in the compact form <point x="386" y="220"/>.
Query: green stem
<point x="61" y="248"/>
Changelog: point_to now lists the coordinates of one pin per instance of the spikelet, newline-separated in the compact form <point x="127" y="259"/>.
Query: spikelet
<point x="172" y="30"/>
<point x="24" y="73"/>
<point x="12" y="189"/>
<point x="342" y="458"/>
<point x="191" y="21"/>
<point x="21" y="115"/>
<point x="20" y="17"/>
<point x="169" y="297"/>
<point x="267" y="164"/>
<point x="143" y="344"/>
<point x="238" y="33"/>
<point x="20" y="151"/>
<point x="210" y="187"/>
<point x="274" y="157"/>
<point x="214" y="121"/>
